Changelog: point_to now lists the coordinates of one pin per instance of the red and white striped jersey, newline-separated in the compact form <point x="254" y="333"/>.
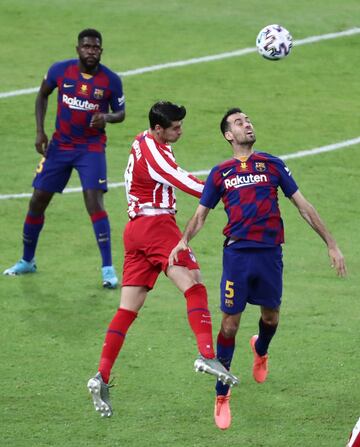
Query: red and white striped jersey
<point x="151" y="177"/>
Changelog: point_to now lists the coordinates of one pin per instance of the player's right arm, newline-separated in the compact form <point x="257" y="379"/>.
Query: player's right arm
<point x="192" y="228"/>
<point x="41" y="141"/>
<point x="209" y="199"/>
<point x="165" y="170"/>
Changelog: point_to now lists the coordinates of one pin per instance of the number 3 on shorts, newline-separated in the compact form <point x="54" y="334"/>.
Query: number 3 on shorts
<point x="40" y="166"/>
<point x="229" y="289"/>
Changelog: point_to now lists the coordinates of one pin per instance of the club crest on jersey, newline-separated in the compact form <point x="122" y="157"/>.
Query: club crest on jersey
<point x="260" y="166"/>
<point x="98" y="93"/>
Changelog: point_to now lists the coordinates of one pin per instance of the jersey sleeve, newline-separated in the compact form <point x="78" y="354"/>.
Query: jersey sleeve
<point x="117" y="99"/>
<point x="165" y="170"/>
<point x="212" y="191"/>
<point x="286" y="180"/>
<point x="53" y="73"/>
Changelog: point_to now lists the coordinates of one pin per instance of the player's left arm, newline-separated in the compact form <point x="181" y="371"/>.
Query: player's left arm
<point x="99" y="120"/>
<point x="312" y="217"/>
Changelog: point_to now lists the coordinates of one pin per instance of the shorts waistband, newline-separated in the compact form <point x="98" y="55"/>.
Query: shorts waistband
<point x="155" y="212"/>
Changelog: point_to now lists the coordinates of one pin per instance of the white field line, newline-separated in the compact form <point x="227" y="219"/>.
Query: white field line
<point x="299" y="154"/>
<point x="200" y="60"/>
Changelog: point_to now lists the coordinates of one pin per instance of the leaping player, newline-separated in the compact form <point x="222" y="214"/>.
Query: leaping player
<point x="151" y="177"/>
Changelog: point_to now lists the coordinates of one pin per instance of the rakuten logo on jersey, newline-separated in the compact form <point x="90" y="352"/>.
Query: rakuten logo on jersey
<point x="79" y="104"/>
<point x="245" y="180"/>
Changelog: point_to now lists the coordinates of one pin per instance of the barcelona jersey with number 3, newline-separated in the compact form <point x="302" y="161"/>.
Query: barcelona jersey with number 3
<point x="74" y="144"/>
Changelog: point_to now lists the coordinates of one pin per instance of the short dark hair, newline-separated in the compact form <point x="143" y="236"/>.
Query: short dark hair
<point x="89" y="32"/>
<point x="224" y="125"/>
<point x="164" y="113"/>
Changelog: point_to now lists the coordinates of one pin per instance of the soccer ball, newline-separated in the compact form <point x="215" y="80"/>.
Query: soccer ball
<point x="274" y="42"/>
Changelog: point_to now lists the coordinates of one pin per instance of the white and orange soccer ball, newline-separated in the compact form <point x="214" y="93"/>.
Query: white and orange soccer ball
<point x="274" y="42"/>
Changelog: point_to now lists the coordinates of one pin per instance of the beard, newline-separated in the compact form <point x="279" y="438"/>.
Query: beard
<point x="90" y="62"/>
<point x="251" y="138"/>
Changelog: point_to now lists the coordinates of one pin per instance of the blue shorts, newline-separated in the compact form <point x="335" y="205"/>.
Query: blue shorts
<point x="53" y="172"/>
<point x="251" y="275"/>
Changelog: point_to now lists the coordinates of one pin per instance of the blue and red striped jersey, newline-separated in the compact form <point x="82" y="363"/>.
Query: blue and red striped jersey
<point x="249" y="191"/>
<point x="80" y="95"/>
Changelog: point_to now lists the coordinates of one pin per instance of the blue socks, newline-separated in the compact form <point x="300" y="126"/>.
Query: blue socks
<point x="101" y="226"/>
<point x="225" y="352"/>
<point x="266" y="333"/>
<point x="32" y="227"/>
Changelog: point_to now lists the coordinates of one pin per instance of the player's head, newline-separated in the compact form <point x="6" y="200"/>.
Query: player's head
<point x="236" y="127"/>
<point x="89" y="32"/>
<point x="89" y="48"/>
<point x="166" y="121"/>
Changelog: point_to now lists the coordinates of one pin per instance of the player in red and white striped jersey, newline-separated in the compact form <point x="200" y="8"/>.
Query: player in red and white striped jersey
<point x="151" y="176"/>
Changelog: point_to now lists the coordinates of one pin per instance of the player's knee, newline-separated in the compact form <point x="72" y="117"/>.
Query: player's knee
<point x="94" y="201"/>
<point x="39" y="202"/>
<point x="270" y="319"/>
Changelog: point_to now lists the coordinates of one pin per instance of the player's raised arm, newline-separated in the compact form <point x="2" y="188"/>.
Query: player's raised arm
<point x="312" y="217"/>
<point x="192" y="228"/>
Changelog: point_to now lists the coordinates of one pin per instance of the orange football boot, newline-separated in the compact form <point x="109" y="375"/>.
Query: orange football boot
<point x="222" y="413"/>
<point x="260" y="365"/>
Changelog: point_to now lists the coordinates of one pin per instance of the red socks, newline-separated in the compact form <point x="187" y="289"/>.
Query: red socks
<point x="114" y="340"/>
<point x="200" y="319"/>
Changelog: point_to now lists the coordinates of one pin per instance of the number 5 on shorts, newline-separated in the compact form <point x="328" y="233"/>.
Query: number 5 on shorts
<point x="229" y="289"/>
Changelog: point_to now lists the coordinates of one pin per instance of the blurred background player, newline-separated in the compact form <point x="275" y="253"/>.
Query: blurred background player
<point x="252" y="258"/>
<point x="151" y="177"/>
<point x="86" y="91"/>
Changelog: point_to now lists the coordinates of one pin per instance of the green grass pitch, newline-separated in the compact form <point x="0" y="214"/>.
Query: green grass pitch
<point x="52" y="324"/>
